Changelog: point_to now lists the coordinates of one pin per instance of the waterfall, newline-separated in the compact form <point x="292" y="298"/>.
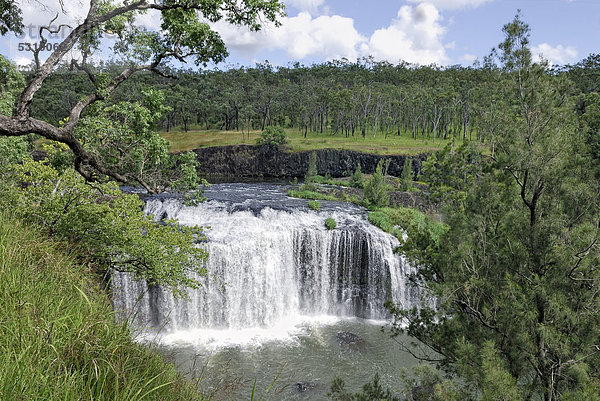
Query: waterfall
<point x="269" y="264"/>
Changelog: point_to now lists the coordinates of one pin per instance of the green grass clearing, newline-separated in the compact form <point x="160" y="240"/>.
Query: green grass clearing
<point x="392" y="145"/>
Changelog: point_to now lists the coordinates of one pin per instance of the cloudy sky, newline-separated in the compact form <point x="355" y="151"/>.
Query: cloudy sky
<point x="417" y="31"/>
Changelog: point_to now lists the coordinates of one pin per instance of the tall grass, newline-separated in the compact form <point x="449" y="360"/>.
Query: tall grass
<point x="58" y="336"/>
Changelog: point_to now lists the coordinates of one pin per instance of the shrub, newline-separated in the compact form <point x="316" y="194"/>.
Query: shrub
<point x="376" y="190"/>
<point x="272" y="137"/>
<point x="108" y="227"/>
<point x="357" y="180"/>
<point x="314" y="205"/>
<point x="304" y="194"/>
<point x="330" y="223"/>
<point x="406" y="177"/>
<point x="382" y="220"/>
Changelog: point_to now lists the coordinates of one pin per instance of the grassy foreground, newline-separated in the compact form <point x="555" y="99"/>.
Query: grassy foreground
<point x="58" y="338"/>
<point x="392" y="145"/>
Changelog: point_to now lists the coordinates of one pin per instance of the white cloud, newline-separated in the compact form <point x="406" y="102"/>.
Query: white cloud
<point x="37" y="13"/>
<point x="150" y="20"/>
<point x="554" y="54"/>
<point x="327" y="37"/>
<point x="414" y="36"/>
<point x="468" y="58"/>
<point x="22" y="61"/>
<point x="311" y="6"/>
<point x="452" y="4"/>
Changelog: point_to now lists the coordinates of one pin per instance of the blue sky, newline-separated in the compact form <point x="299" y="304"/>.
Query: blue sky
<point x="436" y="31"/>
<point x="440" y="31"/>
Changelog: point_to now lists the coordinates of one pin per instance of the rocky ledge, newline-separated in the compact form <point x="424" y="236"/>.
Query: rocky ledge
<point x="270" y="162"/>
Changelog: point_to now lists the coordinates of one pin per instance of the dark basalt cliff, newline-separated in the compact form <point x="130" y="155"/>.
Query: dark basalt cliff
<point x="269" y="162"/>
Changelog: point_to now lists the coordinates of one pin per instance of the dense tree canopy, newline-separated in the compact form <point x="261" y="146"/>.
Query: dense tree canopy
<point x="340" y="98"/>
<point x="515" y="274"/>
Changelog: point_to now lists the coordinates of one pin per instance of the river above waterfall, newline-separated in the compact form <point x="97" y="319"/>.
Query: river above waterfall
<point x="280" y="290"/>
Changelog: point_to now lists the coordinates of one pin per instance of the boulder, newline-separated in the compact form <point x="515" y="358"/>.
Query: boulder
<point x="304" y="386"/>
<point x="348" y="340"/>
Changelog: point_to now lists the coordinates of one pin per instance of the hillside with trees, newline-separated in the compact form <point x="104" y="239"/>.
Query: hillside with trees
<point x="335" y="100"/>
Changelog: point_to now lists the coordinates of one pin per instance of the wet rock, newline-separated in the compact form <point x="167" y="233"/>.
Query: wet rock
<point x="348" y="340"/>
<point x="304" y="386"/>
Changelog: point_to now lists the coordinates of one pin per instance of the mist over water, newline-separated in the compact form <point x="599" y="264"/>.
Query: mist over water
<point x="277" y="278"/>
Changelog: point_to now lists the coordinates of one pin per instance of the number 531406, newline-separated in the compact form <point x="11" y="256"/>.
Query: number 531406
<point x="25" y="46"/>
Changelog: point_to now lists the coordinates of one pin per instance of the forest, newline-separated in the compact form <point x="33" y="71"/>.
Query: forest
<point x="339" y="97"/>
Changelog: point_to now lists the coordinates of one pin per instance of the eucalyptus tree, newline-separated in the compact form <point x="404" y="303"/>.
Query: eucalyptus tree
<point x="185" y="35"/>
<point x="233" y="83"/>
<point x="363" y="104"/>
<point x="341" y="109"/>
<point x="261" y="91"/>
<point x="59" y="94"/>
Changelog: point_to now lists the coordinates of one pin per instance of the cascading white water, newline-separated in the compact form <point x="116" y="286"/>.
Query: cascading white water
<point x="269" y="265"/>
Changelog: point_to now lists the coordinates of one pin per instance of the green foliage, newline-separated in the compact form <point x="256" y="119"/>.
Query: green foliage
<point x="591" y="127"/>
<point x="450" y="172"/>
<point x="12" y="149"/>
<point x="373" y="391"/>
<point x="330" y="223"/>
<point x="376" y="192"/>
<point x="123" y="138"/>
<point x="304" y="194"/>
<point x="424" y="383"/>
<point x="314" y="205"/>
<point x="328" y="180"/>
<point x="421" y="383"/>
<point x="11" y="83"/>
<point x="406" y="177"/>
<point x="494" y="380"/>
<point x="11" y="18"/>
<point x="515" y="274"/>
<point x="58" y="336"/>
<point x="357" y="180"/>
<point x="382" y="220"/>
<point x="107" y="226"/>
<point x="586" y="74"/>
<point x="421" y="229"/>
<point x="311" y="173"/>
<point x="272" y="137"/>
